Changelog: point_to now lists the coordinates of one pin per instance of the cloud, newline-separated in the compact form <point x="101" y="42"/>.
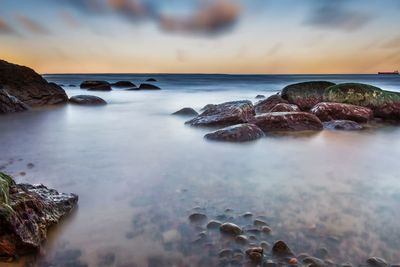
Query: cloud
<point x="89" y="6"/>
<point x="393" y="43"/>
<point x="31" y="25"/>
<point x="5" y="28"/>
<point x="336" y="15"/>
<point x="132" y="9"/>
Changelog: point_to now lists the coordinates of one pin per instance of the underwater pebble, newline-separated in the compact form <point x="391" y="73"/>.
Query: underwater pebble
<point x="231" y="229"/>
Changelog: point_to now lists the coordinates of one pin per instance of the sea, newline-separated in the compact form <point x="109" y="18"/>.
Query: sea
<point x="140" y="172"/>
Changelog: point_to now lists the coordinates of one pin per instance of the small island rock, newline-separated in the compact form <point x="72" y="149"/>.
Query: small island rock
<point x="147" y="86"/>
<point x="89" y="100"/>
<point x="186" y="112"/>
<point x="123" y="84"/>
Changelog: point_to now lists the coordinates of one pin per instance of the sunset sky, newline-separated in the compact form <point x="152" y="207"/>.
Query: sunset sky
<point x="201" y="36"/>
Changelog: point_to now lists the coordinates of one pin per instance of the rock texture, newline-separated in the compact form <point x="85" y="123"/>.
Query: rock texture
<point x="237" y="133"/>
<point x="87" y="100"/>
<point x="345" y="125"/>
<point x="29" y="87"/>
<point x="283" y="107"/>
<point x="186" y="112"/>
<point x="147" y="86"/>
<point x="288" y="121"/>
<point x="91" y="84"/>
<point x="26" y="212"/>
<point x="307" y="94"/>
<point x="266" y="105"/>
<point x="225" y="114"/>
<point x="102" y="87"/>
<point x="339" y="111"/>
<point x="124" y="84"/>
<point x="10" y="104"/>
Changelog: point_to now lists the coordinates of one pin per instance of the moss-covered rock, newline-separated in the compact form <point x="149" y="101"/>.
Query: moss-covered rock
<point x="5" y="183"/>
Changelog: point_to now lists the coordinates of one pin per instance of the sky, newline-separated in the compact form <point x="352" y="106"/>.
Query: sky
<point x="202" y="36"/>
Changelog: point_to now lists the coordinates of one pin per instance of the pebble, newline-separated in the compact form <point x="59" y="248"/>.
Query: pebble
<point x="30" y="165"/>
<point x="321" y="253"/>
<point x="293" y="261"/>
<point x="22" y="173"/>
<point x="214" y="224"/>
<point x="253" y="231"/>
<point x="241" y="239"/>
<point x="315" y="262"/>
<point x="281" y="249"/>
<point x="231" y="229"/>
<point x="247" y="215"/>
<point x="197" y="217"/>
<point x="377" y="262"/>
<point x="265" y="245"/>
<point x="266" y="229"/>
<point x="347" y="264"/>
<point x="258" y="222"/>
<point x="225" y="253"/>
<point x="255" y="254"/>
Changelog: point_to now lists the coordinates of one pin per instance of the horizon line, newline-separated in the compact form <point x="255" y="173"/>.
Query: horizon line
<point x="198" y="73"/>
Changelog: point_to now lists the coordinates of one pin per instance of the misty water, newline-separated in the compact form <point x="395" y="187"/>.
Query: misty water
<point x="140" y="172"/>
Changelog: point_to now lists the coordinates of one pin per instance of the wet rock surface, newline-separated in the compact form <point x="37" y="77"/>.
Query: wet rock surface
<point x="10" y="104"/>
<point x="338" y="111"/>
<point x="186" y="112"/>
<point x="225" y="114"/>
<point x="237" y="133"/>
<point x="26" y="212"/>
<point x="288" y="121"/>
<point x="87" y="100"/>
<point x="283" y="107"/>
<point x="268" y="104"/>
<point x="29" y="87"/>
<point x="344" y="125"/>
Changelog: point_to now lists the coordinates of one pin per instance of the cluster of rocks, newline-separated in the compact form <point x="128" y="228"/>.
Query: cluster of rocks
<point x="26" y="212"/>
<point x="308" y="106"/>
<point x="106" y="86"/>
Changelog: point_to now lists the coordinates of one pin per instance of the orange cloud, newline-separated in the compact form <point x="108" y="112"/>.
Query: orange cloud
<point x="5" y="27"/>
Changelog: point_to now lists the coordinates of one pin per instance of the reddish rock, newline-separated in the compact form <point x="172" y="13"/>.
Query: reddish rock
<point x="345" y="125"/>
<point x="283" y="107"/>
<point x="225" y="114"/>
<point x="255" y="254"/>
<point x="288" y="121"/>
<point x="337" y="111"/>
<point x="265" y="106"/>
<point x="237" y="133"/>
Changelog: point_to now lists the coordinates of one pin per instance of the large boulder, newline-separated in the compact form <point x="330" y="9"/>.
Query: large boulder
<point x="326" y="111"/>
<point x="238" y="133"/>
<point x="124" y="84"/>
<point x="91" y="84"/>
<point x="287" y="122"/>
<point x="225" y="114"/>
<point x="344" y="125"/>
<point x="265" y="106"/>
<point x="28" y="86"/>
<point x="26" y="212"/>
<point x="306" y="94"/>
<point x="385" y="104"/>
<point x="10" y="104"/>
<point x="87" y="100"/>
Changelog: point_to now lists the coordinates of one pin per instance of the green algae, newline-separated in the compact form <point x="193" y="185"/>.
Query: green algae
<point x="5" y="183"/>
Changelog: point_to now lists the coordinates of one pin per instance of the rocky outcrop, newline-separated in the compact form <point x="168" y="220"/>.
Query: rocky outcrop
<point x="103" y="87"/>
<point x="283" y="107"/>
<point x="26" y="212"/>
<point x="307" y="94"/>
<point x="10" y="104"/>
<point x="123" y="84"/>
<point x="151" y="80"/>
<point x="87" y="100"/>
<point x="385" y="104"/>
<point x="266" y="105"/>
<point x="147" y="86"/>
<point x="338" y="111"/>
<point x="29" y="87"/>
<point x="237" y="133"/>
<point x="288" y="121"/>
<point x="91" y="84"/>
<point x="225" y="114"/>
<point x="344" y="125"/>
<point x="186" y="112"/>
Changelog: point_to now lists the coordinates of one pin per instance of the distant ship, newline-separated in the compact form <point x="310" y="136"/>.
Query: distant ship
<point x="396" y="72"/>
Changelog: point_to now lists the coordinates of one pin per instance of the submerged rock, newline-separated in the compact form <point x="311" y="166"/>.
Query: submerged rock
<point x="225" y="114"/>
<point x="10" y="104"/>
<point x="314" y="262"/>
<point x="237" y="133"/>
<point x="288" y="121"/>
<point x="151" y="80"/>
<point x="26" y="212"/>
<point x="255" y="254"/>
<point x="377" y="262"/>
<point x="260" y="96"/>
<point x="338" y="111"/>
<point x="230" y="229"/>
<point x="306" y="94"/>
<point x="197" y="217"/>
<point x="147" y="86"/>
<point x="186" y="112"/>
<point x="345" y="125"/>
<point x="283" y="107"/>
<point x="91" y="84"/>
<point x="29" y="87"/>
<point x="265" y="106"/>
<point x="102" y="87"/>
<point x="89" y="100"/>
<point x="280" y="249"/>
<point x="123" y="84"/>
<point x="213" y="224"/>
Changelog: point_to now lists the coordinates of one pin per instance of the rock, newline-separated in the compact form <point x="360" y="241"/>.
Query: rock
<point x="72" y="85"/>
<point x="247" y="215"/>
<point x="280" y="249"/>
<point x="314" y="262"/>
<point x="88" y="100"/>
<point x="293" y="261"/>
<point x="147" y="86"/>
<point x="213" y="224"/>
<point x="265" y="245"/>
<point x="151" y="80"/>
<point x="241" y="239"/>
<point x="260" y="96"/>
<point x="266" y="230"/>
<point x="208" y="106"/>
<point x="339" y="111"/>
<point x="237" y="133"/>
<point x="343" y="125"/>
<point x="255" y="254"/>
<point x="230" y="229"/>
<point x="265" y="106"/>
<point x="225" y="253"/>
<point x="307" y="94"/>
<point x="26" y="212"/>
<point x="91" y="84"/>
<point x="102" y="87"/>
<point x="10" y="104"/>
<point x="385" y="104"/>
<point x="288" y="121"/>
<point x="377" y="262"/>
<point x="29" y="87"/>
<point x="225" y="114"/>
<point x="197" y="217"/>
<point x="258" y="222"/>
<point x="123" y="84"/>
<point x="283" y="107"/>
<point x="186" y="112"/>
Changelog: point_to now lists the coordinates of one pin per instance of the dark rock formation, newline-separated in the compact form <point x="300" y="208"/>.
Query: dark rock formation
<point x="288" y="121"/>
<point x="151" y="80"/>
<point x="345" y="125"/>
<point x="225" y="114"/>
<point x="237" y="133"/>
<point x="283" y="107"/>
<point x="124" y="84"/>
<point x="87" y="100"/>
<point x="230" y="229"/>
<point x="91" y="84"/>
<point x="147" y="86"/>
<point x="26" y="212"/>
<point x="10" y="104"/>
<point x="385" y="104"/>
<point x="208" y="106"/>
<point x="338" y="111"/>
<point x="280" y="249"/>
<point x="307" y="94"/>
<point x="102" y="87"/>
<point x="260" y="96"/>
<point x="266" y="105"/>
<point x="186" y="112"/>
<point x="28" y="86"/>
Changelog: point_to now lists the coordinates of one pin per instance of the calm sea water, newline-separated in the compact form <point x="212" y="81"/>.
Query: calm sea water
<point x="140" y="173"/>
